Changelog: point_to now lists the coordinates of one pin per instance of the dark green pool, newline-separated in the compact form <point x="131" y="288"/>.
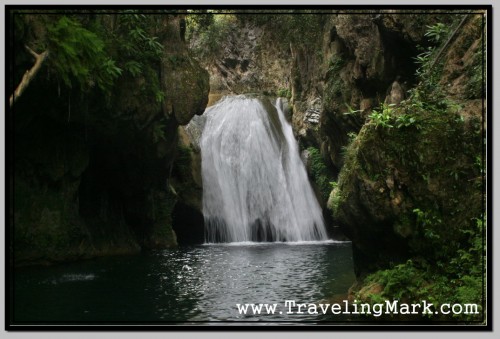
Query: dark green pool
<point x="200" y="283"/>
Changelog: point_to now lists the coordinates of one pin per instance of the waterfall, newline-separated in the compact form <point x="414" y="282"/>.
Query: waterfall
<point x="255" y="185"/>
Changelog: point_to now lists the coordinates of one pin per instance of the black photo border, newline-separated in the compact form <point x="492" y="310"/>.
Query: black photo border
<point x="10" y="325"/>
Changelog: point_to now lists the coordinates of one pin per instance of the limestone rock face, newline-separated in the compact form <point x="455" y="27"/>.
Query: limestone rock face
<point x="184" y="82"/>
<point x="186" y="88"/>
<point x="248" y="61"/>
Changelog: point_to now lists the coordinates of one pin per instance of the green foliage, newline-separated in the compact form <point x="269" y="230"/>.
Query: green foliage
<point x="335" y="65"/>
<point x="428" y="221"/>
<point x="382" y="117"/>
<point x="429" y="235"/>
<point x="438" y="32"/>
<point x="470" y="258"/>
<point x="197" y="21"/>
<point x="351" y="110"/>
<point x="133" y="67"/>
<point x="138" y="40"/>
<point x="460" y="281"/>
<point x="480" y="165"/>
<point x="149" y="46"/>
<point x="427" y="98"/>
<point x="159" y="95"/>
<point x="388" y="117"/>
<point x="400" y="282"/>
<point x="78" y="55"/>
<point x="159" y="131"/>
<point x="423" y="58"/>
<point x="470" y="289"/>
<point x="407" y="120"/>
<point x="335" y="83"/>
<point x="93" y="51"/>
<point x="107" y="73"/>
<point x="284" y="93"/>
<point x="211" y="33"/>
<point x="428" y="70"/>
<point x="477" y="73"/>
<point x="131" y="17"/>
<point x="320" y="173"/>
<point x="138" y="51"/>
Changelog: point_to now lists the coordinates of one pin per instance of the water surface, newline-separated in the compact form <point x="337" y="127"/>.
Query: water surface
<point x="200" y="283"/>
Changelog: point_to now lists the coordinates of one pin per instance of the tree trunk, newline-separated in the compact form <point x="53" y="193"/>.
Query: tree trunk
<point x="29" y="75"/>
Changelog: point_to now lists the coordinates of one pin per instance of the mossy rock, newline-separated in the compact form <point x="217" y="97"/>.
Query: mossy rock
<point x="162" y="204"/>
<point x="186" y="86"/>
<point x="390" y="173"/>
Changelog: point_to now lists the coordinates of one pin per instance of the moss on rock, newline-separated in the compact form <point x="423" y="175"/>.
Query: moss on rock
<point x="319" y="172"/>
<point x="162" y="204"/>
<point x="186" y="87"/>
<point x="389" y="173"/>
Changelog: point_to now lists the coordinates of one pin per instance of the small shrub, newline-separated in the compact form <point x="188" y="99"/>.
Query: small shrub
<point x="437" y="33"/>
<point x="383" y="117"/>
<point x="284" y="93"/>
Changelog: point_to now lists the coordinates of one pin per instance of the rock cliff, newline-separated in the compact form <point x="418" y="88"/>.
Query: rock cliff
<point x="94" y="174"/>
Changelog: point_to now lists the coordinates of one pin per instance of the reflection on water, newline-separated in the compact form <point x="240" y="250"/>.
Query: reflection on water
<point x="202" y="283"/>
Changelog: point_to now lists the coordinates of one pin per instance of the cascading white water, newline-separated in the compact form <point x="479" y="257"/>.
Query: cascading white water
<point x="255" y="186"/>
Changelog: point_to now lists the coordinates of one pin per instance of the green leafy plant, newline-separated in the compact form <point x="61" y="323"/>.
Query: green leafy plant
<point x="469" y="259"/>
<point x="428" y="222"/>
<point x="382" y="117"/>
<point x="133" y="67"/>
<point x="424" y="57"/>
<point x="399" y="282"/>
<point x="159" y="96"/>
<point x="284" y="93"/>
<point x="78" y="55"/>
<point x="351" y="136"/>
<point x="477" y="73"/>
<point x="351" y="110"/>
<point x="138" y="42"/>
<point x="159" y="131"/>
<point x="423" y="61"/>
<point x="438" y="32"/>
<point x="479" y="163"/>
<point x="407" y="120"/>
